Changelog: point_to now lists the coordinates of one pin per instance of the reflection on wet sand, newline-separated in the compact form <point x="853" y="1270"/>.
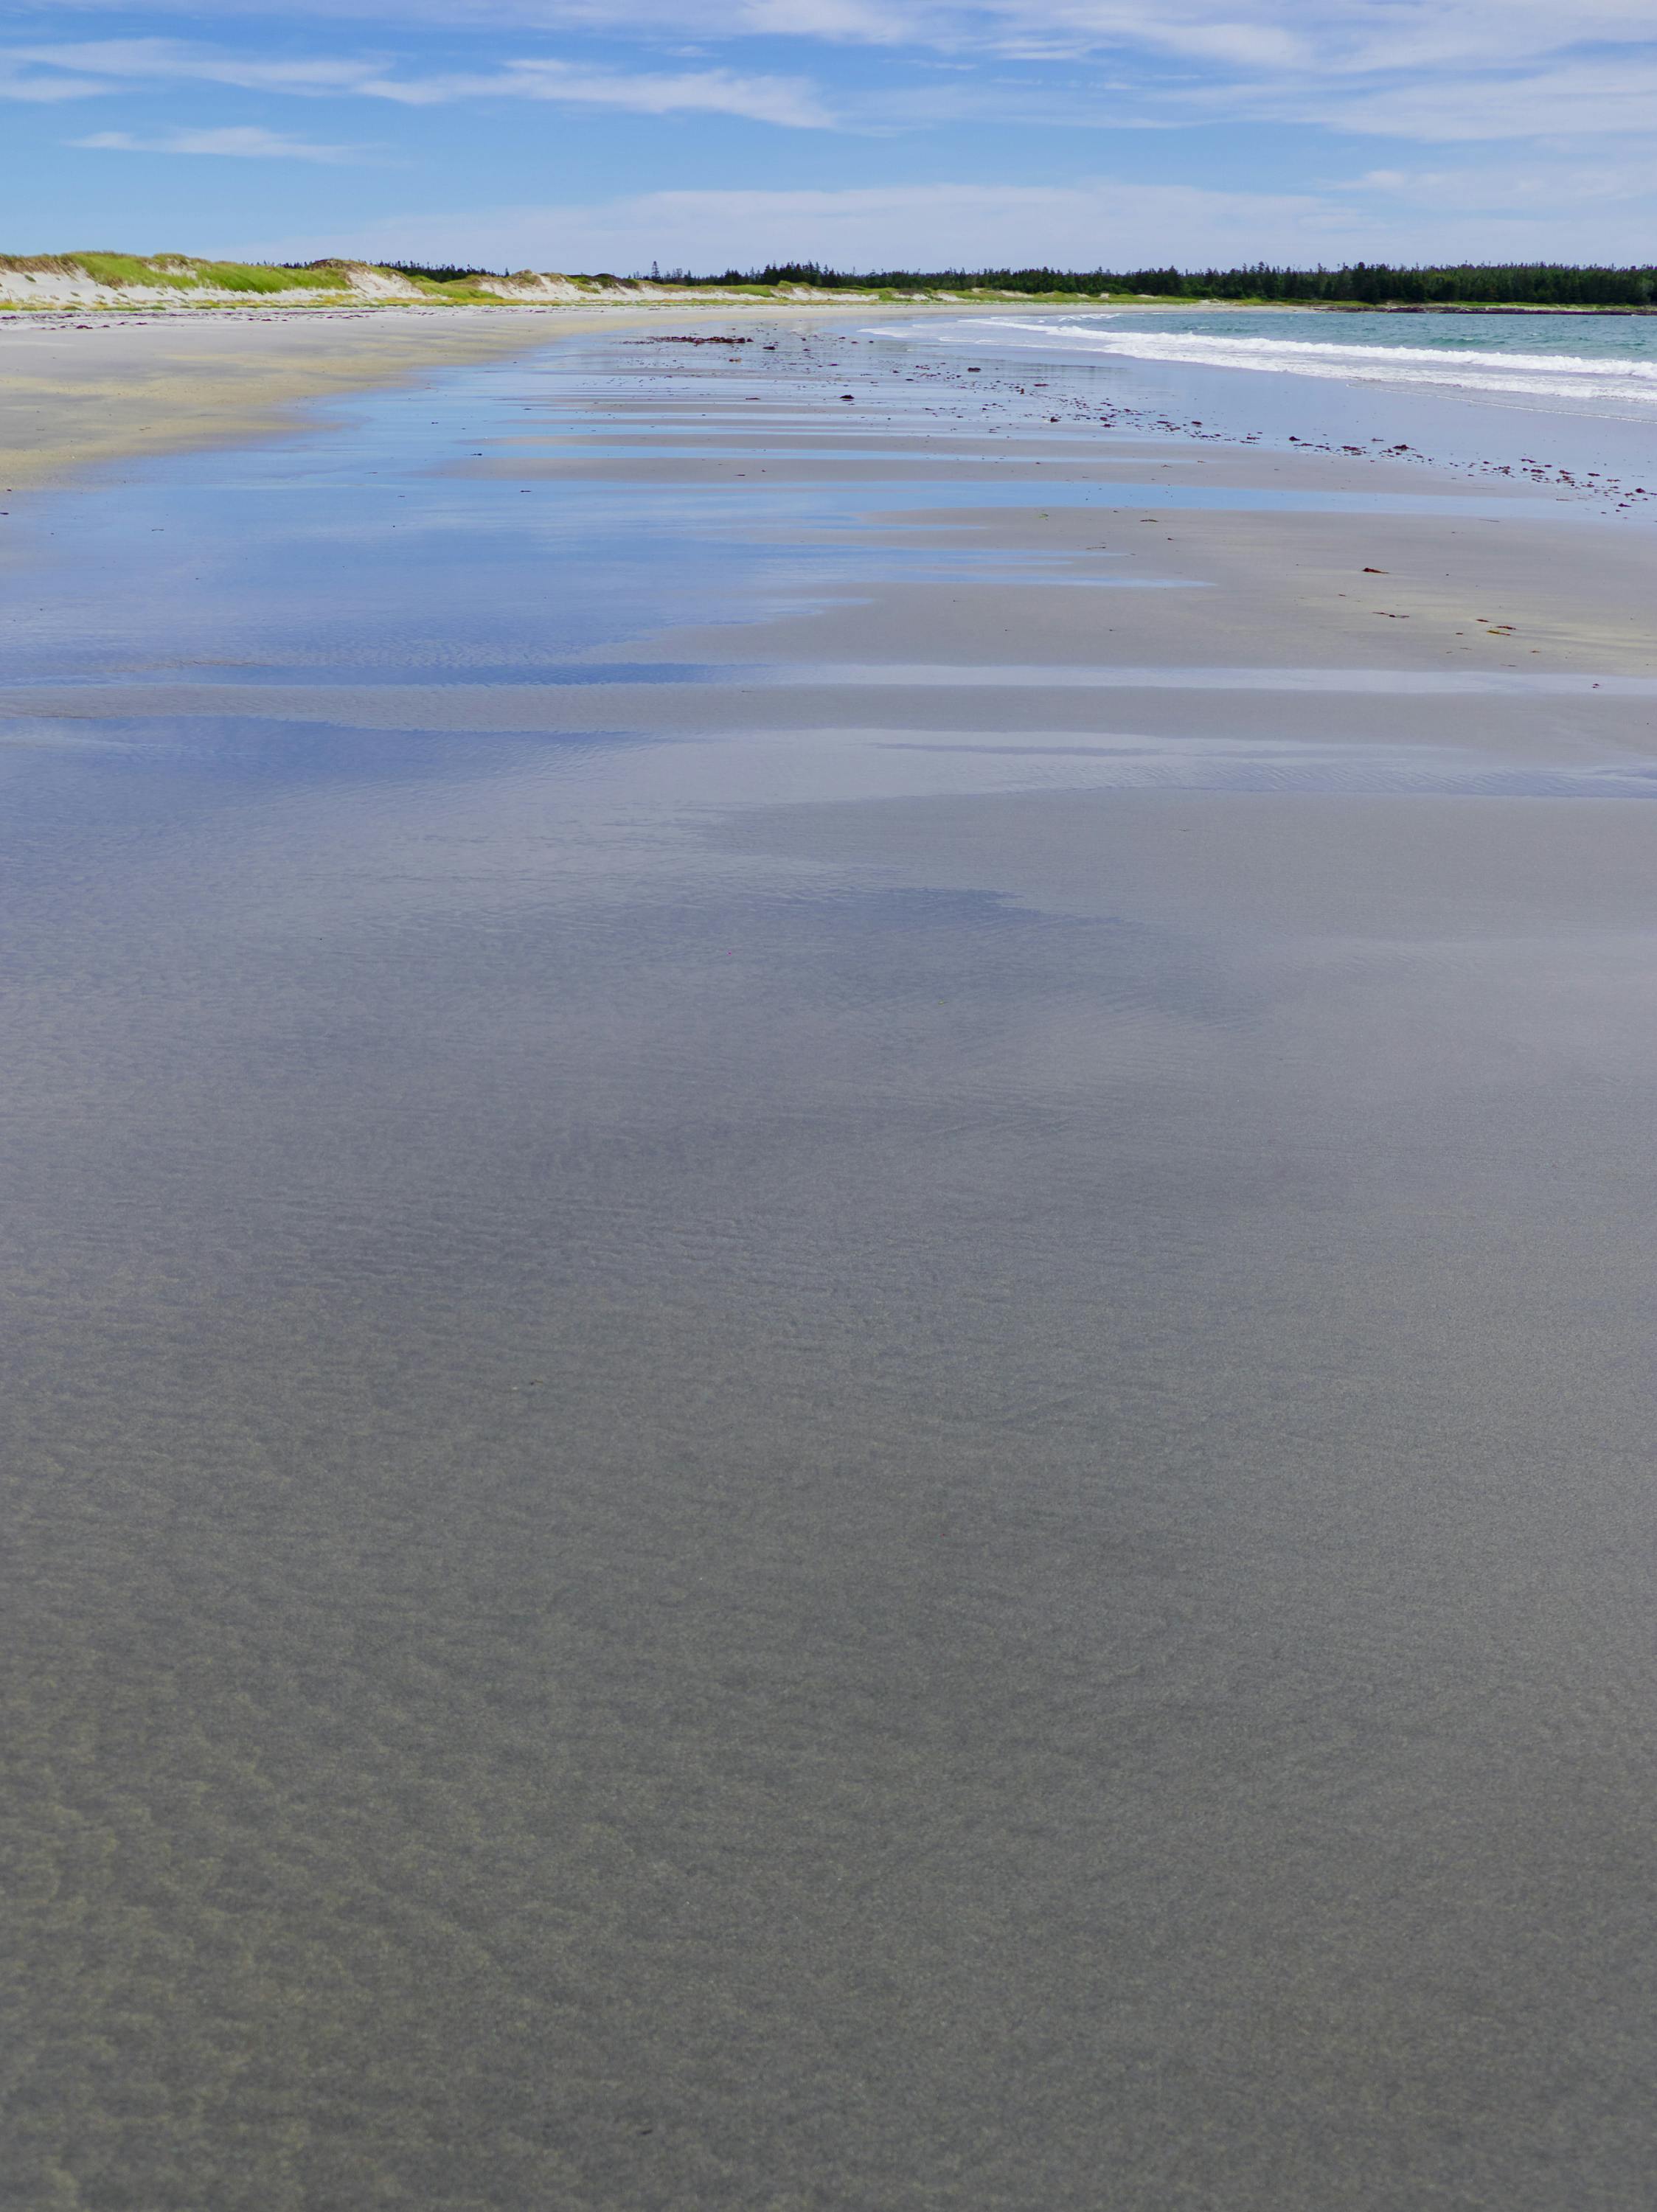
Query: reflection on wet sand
<point x="817" y="1438"/>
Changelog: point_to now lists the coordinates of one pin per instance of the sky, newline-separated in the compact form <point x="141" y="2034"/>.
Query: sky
<point x="589" y="135"/>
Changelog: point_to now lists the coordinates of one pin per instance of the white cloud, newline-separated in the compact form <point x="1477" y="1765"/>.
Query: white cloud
<point x="1324" y="37"/>
<point x="244" y="142"/>
<point x="786" y="101"/>
<point x="96" y="66"/>
<point x="1089" y="224"/>
<point x="92" y="68"/>
<point x="1436" y="72"/>
<point x="1521" y="187"/>
<point x="1364" y="37"/>
<point x="1582" y="100"/>
<point x="1081" y="226"/>
<point x="25" y="84"/>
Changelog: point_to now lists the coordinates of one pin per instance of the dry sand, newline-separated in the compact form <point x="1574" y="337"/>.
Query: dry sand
<point x="71" y="397"/>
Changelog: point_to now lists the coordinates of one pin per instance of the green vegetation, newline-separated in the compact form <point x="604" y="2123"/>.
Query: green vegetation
<point x="446" y="281"/>
<point x="242" y="276"/>
<point x="182" y="272"/>
<point x="1356" y="284"/>
<point x="126" y="269"/>
<point x="442" y="272"/>
<point x="185" y="274"/>
<point x="176" y="272"/>
<point x="1359" y="284"/>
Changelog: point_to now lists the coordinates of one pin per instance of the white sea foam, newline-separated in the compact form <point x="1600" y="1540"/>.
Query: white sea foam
<point x="1620" y="383"/>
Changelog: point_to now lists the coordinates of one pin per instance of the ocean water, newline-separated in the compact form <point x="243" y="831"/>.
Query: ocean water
<point x="1607" y="363"/>
<point x="1466" y="387"/>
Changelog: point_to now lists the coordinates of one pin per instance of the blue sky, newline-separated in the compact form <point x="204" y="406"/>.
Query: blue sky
<point x="605" y="133"/>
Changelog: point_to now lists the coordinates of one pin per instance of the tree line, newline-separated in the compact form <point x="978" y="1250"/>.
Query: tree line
<point x="1377" y="284"/>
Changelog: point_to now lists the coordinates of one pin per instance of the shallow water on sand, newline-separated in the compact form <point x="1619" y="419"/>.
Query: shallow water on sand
<point x="780" y="1436"/>
<point x="1521" y="394"/>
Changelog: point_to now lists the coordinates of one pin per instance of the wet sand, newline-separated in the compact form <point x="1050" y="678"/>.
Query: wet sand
<point x="831" y="1376"/>
<point x="74" y="399"/>
<point x="83" y="391"/>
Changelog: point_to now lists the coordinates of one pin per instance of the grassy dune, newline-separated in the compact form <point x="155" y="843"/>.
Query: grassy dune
<point x="105" y="281"/>
<point x="116" y="280"/>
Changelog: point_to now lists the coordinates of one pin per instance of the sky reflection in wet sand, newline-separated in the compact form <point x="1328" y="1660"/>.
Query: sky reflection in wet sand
<point x="812" y="1437"/>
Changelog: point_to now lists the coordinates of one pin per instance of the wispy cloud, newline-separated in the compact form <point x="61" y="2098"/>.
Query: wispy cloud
<point x="786" y="101"/>
<point x="1557" y="97"/>
<point x="242" y="142"/>
<point x="103" y="65"/>
<point x="1537" y="183"/>
<point x="1436" y="70"/>
<point x="1602" y="99"/>
<point x="1323" y="36"/>
<point x="1101" y="221"/>
<point x="96" y="66"/>
<point x="20" y="82"/>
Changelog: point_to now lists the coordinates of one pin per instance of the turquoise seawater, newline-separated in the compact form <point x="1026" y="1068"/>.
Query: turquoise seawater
<point x="1605" y="361"/>
<point x="1576" y="392"/>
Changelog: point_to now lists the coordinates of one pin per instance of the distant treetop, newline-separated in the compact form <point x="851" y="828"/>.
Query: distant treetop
<point x="1526" y="283"/>
<point x="437" y="272"/>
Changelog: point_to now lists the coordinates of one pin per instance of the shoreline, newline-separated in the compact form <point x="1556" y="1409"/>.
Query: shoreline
<point x="800" y="1266"/>
<point x="232" y="372"/>
<point x="250" y="368"/>
<point x="85" y="387"/>
<point x="1504" y="600"/>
